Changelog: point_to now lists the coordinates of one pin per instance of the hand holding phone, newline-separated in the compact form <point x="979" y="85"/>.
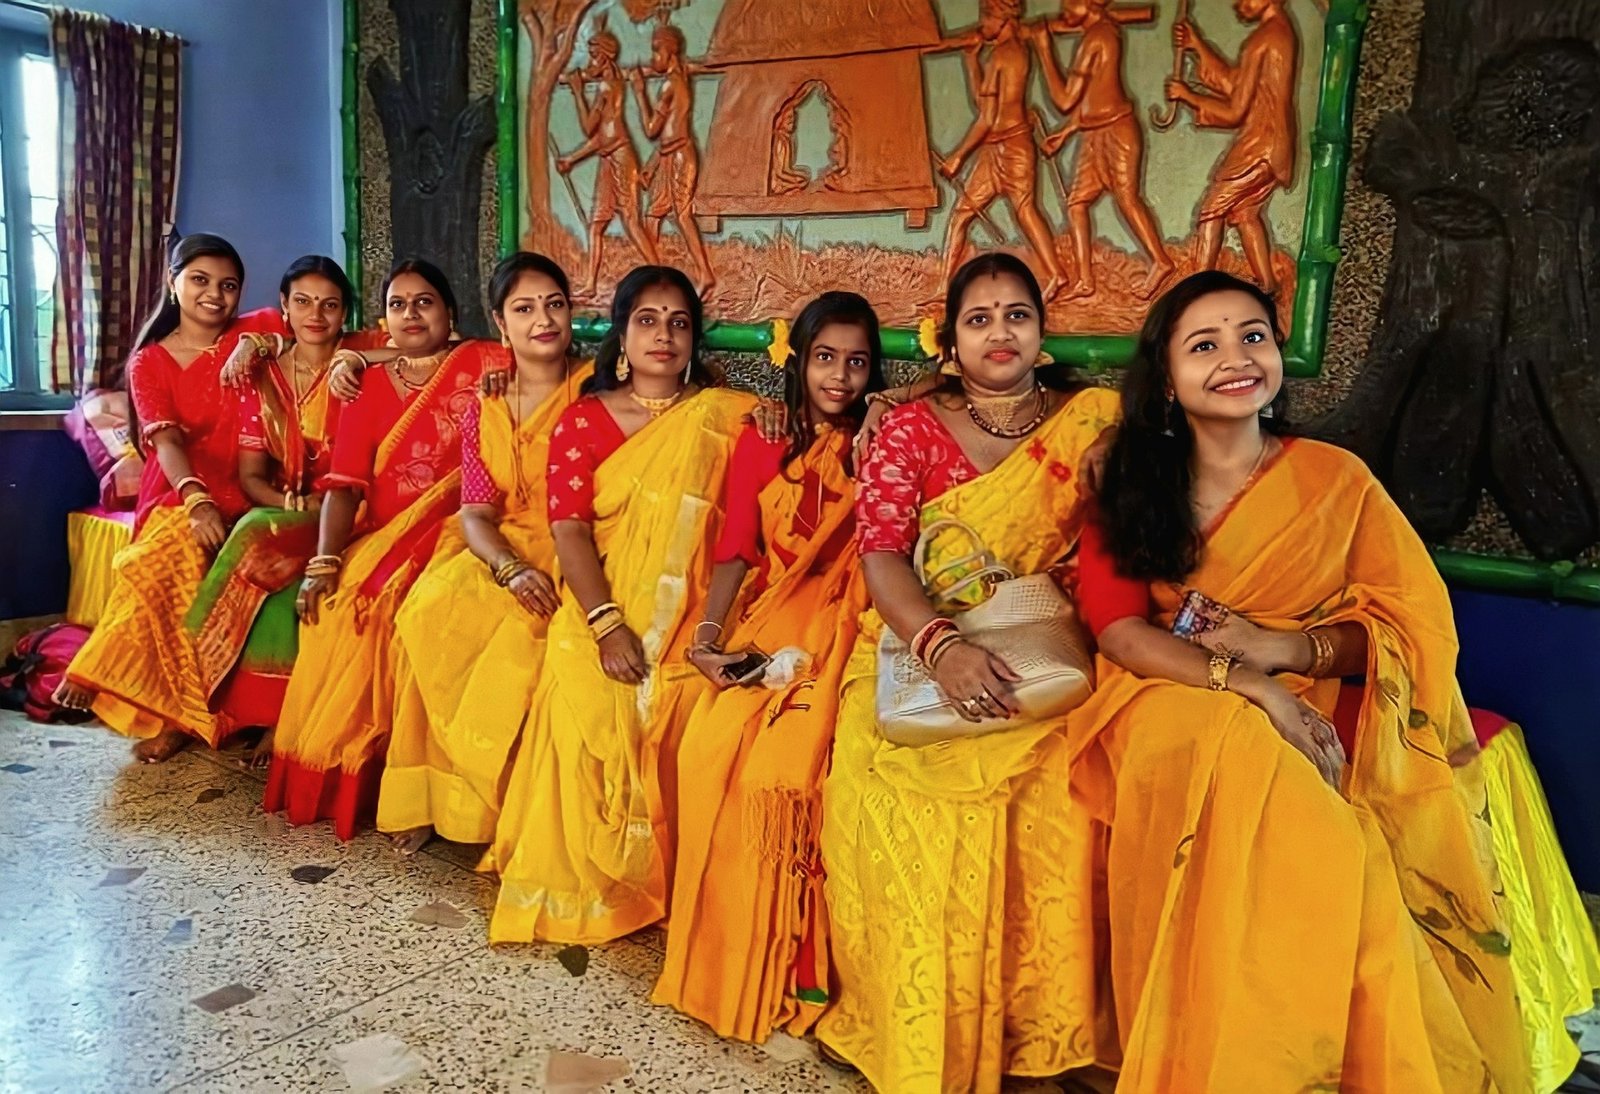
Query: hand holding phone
<point x="1198" y="614"/>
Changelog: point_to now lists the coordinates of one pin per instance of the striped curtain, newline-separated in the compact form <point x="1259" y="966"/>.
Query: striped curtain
<point x="118" y="87"/>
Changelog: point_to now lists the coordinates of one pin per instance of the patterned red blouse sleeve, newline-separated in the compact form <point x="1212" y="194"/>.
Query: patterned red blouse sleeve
<point x="890" y="488"/>
<point x="477" y="488"/>
<point x="251" y="432"/>
<point x="583" y="437"/>
<point x="150" y="387"/>
<point x="755" y="463"/>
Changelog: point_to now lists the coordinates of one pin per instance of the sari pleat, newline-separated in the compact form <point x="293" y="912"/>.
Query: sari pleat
<point x="747" y="949"/>
<point x="960" y="878"/>
<point x="466" y="654"/>
<point x="584" y="842"/>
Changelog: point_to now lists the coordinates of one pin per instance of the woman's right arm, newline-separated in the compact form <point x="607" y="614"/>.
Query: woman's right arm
<point x="621" y="655"/>
<point x="337" y="521"/>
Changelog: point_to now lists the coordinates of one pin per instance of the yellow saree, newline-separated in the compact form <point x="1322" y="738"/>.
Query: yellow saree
<point x="959" y="876"/>
<point x="747" y="949"/>
<point x="584" y="843"/>
<point x="1267" y="933"/>
<point x="465" y="653"/>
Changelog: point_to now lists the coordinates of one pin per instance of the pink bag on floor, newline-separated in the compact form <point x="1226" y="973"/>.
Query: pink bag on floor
<point x="99" y="423"/>
<point x="30" y="676"/>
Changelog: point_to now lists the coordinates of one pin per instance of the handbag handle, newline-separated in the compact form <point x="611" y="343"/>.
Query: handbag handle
<point x="991" y="566"/>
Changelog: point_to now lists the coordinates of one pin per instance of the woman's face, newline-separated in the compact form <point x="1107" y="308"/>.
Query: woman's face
<point x="419" y="322"/>
<point x="997" y="334"/>
<point x="315" y="310"/>
<point x="660" y="335"/>
<point x="838" y="366"/>
<point x="1222" y="359"/>
<point x="208" y="291"/>
<point x="536" y="321"/>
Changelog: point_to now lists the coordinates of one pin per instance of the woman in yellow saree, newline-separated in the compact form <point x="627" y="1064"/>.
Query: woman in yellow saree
<point x="958" y="876"/>
<point x="1280" y="920"/>
<point x="469" y="638"/>
<point x="396" y="463"/>
<point x="747" y="949"/>
<point x="584" y="843"/>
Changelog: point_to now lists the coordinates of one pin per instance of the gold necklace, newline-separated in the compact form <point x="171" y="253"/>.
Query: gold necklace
<point x="191" y="349"/>
<point x="1207" y="511"/>
<point x="1012" y="404"/>
<point x="295" y="367"/>
<point x="656" y="407"/>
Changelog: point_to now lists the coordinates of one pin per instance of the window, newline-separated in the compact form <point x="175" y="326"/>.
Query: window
<point x="28" y="144"/>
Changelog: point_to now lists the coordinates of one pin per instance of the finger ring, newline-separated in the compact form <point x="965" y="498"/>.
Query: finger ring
<point x="971" y="705"/>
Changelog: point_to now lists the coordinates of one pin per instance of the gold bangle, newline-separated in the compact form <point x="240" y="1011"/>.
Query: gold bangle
<point x="601" y="630"/>
<point x="187" y="480"/>
<point x="599" y="610"/>
<point x="882" y="397"/>
<point x="334" y="561"/>
<point x="1217" y="671"/>
<point x="196" y="500"/>
<point x="1322" y="653"/>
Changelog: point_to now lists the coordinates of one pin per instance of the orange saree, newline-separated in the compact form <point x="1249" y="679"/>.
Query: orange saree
<point x="405" y="457"/>
<point x="747" y="945"/>
<point x="1268" y="933"/>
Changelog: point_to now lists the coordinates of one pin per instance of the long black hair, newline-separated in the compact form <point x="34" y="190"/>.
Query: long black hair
<point x="831" y="307"/>
<point x="1146" y="507"/>
<point x="322" y="266"/>
<point x="513" y="266"/>
<point x="430" y="273"/>
<point x="165" y="313"/>
<point x="996" y="264"/>
<point x="626" y="298"/>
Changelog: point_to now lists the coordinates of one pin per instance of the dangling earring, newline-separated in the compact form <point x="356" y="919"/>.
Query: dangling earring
<point x="623" y="368"/>
<point x="286" y="318"/>
<point x="1172" y="401"/>
<point x="505" y="339"/>
<point x="949" y="365"/>
<point x="172" y="295"/>
<point x="688" y="371"/>
<point x="455" y="335"/>
<point x="1268" y="413"/>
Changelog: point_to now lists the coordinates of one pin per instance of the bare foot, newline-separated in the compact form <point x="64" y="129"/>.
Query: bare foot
<point x="162" y="747"/>
<point x="73" y="696"/>
<point x="1160" y="274"/>
<point x="410" y="841"/>
<point x="259" y="758"/>
<point x="1080" y="289"/>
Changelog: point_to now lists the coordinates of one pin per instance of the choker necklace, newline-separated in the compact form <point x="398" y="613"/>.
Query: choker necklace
<point x="1006" y="428"/>
<point x="656" y="407"/>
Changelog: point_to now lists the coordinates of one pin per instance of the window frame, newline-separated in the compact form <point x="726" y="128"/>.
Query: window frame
<point x="30" y="389"/>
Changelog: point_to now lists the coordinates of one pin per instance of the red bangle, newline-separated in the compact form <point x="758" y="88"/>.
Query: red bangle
<point x="930" y="630"/>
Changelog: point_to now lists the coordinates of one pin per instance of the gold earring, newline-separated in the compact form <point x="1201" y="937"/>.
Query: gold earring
<point x="172" y="295"/>
<point x="505" y="339"/>
<point x="455" y="335"/>
<point x="950" y="367"/>
<point x="623" y="367"/>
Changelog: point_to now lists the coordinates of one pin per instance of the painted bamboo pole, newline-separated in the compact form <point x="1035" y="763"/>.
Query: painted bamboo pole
<point x="505" y="148"/>
<point x="350" y="142"/>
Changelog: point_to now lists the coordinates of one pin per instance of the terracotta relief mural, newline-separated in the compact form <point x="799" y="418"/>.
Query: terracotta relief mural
<point x="777" y="149"/>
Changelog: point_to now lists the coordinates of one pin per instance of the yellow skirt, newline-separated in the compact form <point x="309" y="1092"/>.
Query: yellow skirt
<point x="1553" y="950"/>
<point x="466" y="657"/>
<point x="140" y="659"/>
<point x="962" y="923"/>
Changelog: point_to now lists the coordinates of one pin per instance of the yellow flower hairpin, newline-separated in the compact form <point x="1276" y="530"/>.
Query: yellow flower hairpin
<point x="778" y="349"/>
<point x="928" y="337"/>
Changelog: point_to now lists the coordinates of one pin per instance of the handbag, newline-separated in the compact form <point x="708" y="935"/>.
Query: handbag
<point x="1028" y="622"/>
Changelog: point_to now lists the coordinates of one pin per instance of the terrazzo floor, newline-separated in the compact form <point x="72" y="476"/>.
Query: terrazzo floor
<point x="159" y="932"/>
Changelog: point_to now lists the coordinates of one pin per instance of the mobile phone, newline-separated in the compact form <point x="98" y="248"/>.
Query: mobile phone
<point x="748" y="669"/>
<point x="1197" y="614"/>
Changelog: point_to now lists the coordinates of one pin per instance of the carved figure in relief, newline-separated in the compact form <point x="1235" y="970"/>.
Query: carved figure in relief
<point x="674" y="170"/>
<point x="1254" y="97"/>
<point x="1000" y="141"/>
<point x="785" y="177"/>
<point x="1094" y="100"/>
<point x="617" y="186"/>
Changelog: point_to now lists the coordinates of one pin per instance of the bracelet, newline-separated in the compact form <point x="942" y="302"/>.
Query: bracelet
<point x="706" y="623"/>
<point x="882" y="397"/>
<point x="1321" y="653"/>
<point x="196" y="500"/>
<point x="601" y="630"/>
<point x="941" y="646"/>
<point x="187" y="480"/>
<point x="506" y="571"/>
<point x="294" y="503"/>
<point x="1217" y="671"/>
<point x="334" y="562"/>
<point x="925" y="636"/>
<point x="601" y="609"/>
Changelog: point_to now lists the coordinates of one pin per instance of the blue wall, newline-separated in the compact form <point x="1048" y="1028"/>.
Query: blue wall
<point x="260" y="155"/>
<point x="43" y="477"/>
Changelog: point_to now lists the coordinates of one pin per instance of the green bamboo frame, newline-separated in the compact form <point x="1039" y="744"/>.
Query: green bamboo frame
<point x="350" y="145"/>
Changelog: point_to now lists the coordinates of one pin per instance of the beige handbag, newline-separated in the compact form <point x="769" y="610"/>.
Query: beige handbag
<point x="1027" y="621"/>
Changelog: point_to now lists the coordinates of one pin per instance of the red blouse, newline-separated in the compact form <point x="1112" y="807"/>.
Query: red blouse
<point x="913" y="460"/>
<point x="477" y="487"/>
<point x="756" y="462"/>
<point x="1105" y="596"/>
<point x="584" y="436"/>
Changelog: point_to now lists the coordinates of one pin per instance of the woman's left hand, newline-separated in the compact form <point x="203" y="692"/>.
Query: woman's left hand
<point x="1261" y="648"/>
<point x="1092" y="468"/>
<point x="771" y="419"/>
